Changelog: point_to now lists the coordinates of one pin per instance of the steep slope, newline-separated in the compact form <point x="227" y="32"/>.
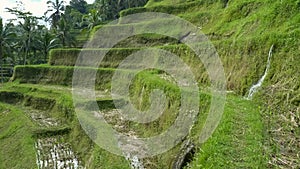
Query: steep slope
<point x="243" y="32"/>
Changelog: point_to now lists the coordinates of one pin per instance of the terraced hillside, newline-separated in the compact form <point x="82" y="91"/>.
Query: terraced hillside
<point x="39" y="127"/>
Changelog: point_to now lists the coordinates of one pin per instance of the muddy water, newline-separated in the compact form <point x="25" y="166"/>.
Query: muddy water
<point x="127" y="148"/>
<point x="52" y="152"/>
<point x="55" y="154"/>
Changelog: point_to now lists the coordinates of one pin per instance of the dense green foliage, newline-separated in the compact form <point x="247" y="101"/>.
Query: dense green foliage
<point x="28" y="42"/>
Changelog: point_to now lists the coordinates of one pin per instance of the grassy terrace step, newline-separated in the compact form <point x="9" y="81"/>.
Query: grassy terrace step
<point x="146" y="33"/>
<point x="45" y="97"/>
<point x="166" y="7"/>
<point x="244" y="60"/>
<point x="151" y="3"/>
<point x="68" y="57"/>
<point x="138" y="40"/>
<point x="62" y="75"/>
<point x="113" y="57"/>
<point x="53" y="104"/>
<point x="59" y="75"/>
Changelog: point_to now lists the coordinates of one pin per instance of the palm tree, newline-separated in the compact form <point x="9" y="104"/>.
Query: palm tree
<point x="5" y="37"/>
<point x="79" y="5"/>
<point x="1" y="48"/>
<point x="56" y="7"/>
<point x="107" y="8"/>
<point x="64" y="34"/>
<point x="91" y="20"/>
<point x="25" y="30"/>
<point x="133" y="3"/>
<point x="111" y="8"/>
<point x="45" y="41"/>
<point x="28" y="29"/>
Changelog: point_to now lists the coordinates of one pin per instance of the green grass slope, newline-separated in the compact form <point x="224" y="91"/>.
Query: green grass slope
<point x="243" y="31"/>
<point x="16" y="141"/>
<point x="238" y="141"/>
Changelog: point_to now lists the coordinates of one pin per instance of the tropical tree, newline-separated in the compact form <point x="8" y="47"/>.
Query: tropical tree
<point x="111" y="8"/>
<point x="25" y="31"/>
<point x="5" y="38"/>
<point x="45" y="41"/>
<point x="125" y="4"/>
<point x="56" y="8"/>
<point x="107" y="9"/>
<point x="73" y="15"/>
<point x="25" y="41"/>
<point x="89" y="21"/>
<point x="63" y="32"/>
<point x="29" y="28"/>
<point x="79" y="5"/>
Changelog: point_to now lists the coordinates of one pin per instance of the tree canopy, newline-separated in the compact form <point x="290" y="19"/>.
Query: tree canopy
<point x="27" y="40"/>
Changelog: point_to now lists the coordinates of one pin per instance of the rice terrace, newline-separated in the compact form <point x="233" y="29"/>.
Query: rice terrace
<point x="149" y="84"/>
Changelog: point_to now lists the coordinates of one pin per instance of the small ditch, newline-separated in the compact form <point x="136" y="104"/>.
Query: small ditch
<point x="41" y="118"/>
<point x="185" y="156"/>
<point x="129" y="148"/>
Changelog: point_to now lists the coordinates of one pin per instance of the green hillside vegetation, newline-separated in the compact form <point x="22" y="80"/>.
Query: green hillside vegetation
<point x="260" y="133"/>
